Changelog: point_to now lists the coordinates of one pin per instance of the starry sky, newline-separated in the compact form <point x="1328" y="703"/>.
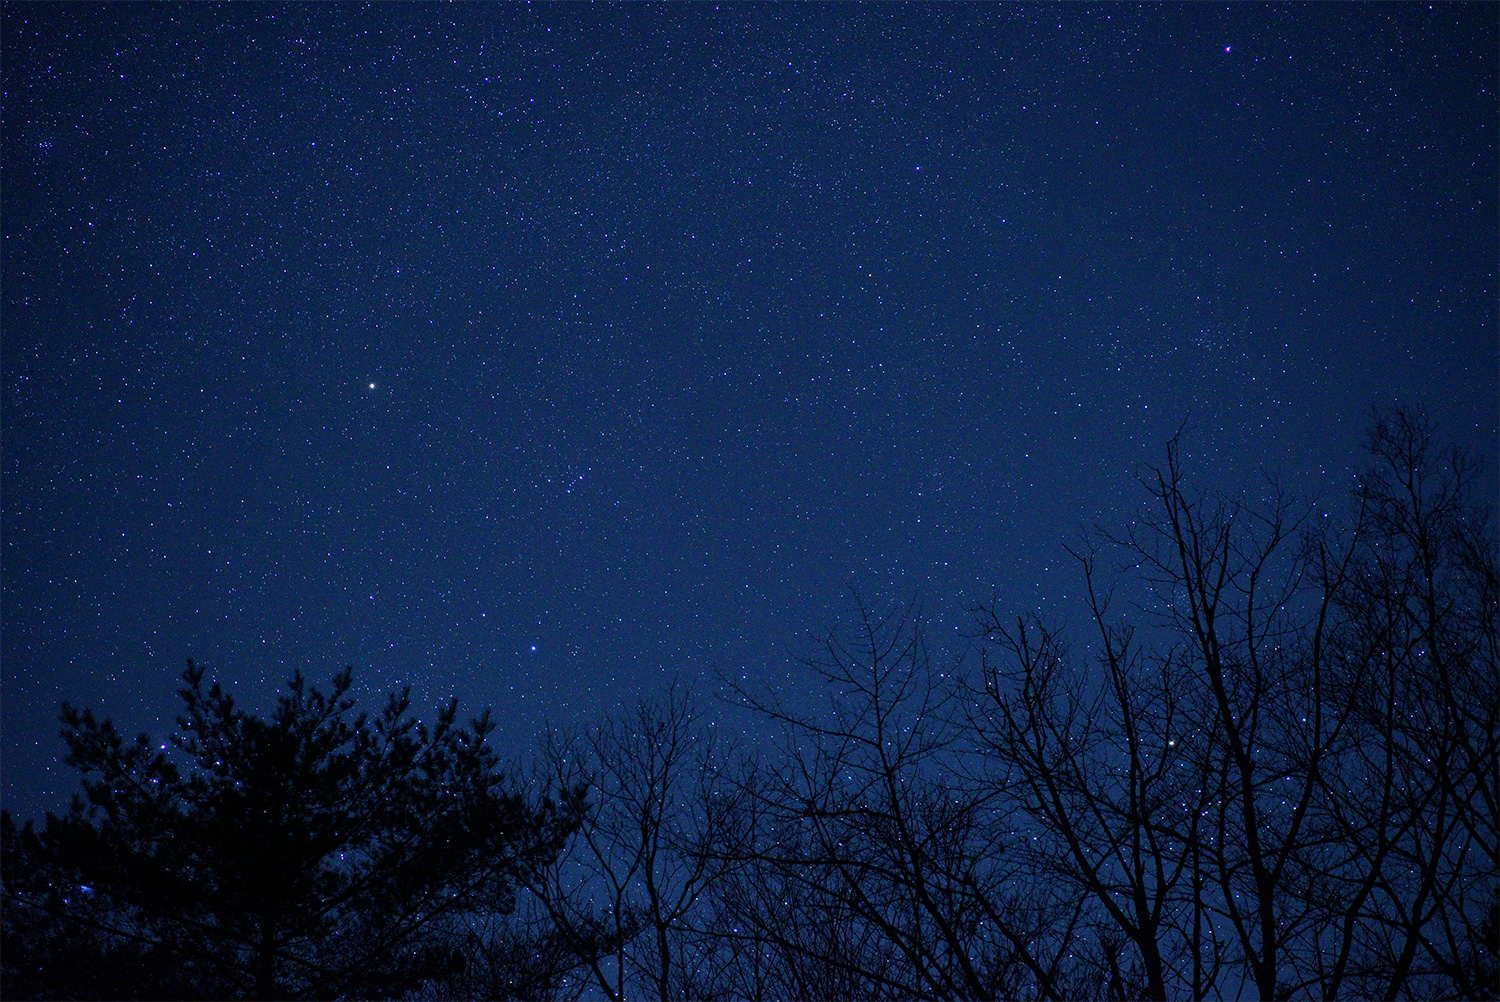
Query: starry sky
<point x="540" y="354"/>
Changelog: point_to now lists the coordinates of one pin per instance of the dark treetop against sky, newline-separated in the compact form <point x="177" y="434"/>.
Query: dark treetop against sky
<point x="538" y="354"/>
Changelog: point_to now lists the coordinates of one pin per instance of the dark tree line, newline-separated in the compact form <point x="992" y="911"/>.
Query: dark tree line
<point x="1268" y="768"/>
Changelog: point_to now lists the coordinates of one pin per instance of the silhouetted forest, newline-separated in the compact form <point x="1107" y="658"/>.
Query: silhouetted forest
<point x="1271" y="774"/>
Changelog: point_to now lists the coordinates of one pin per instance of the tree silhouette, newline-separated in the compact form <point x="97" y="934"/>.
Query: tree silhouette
<point x="1290" y="789"/>
<point x="1273" y="773"/>
<point x="625" y="892"/>
<point x="1411" y="804"/>
<point x="306" y="855"/>
<point x="877" y="863"/>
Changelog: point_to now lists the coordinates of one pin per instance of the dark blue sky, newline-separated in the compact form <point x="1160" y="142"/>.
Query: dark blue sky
<point x="538" y="354"/>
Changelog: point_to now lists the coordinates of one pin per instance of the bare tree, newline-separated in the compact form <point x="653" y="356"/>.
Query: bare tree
<point x="625" y="893"/>
<point x="1414" y="798"/>
<point x="1237" y="587"/>
<point x="1108" y="800"/>
<point x="1291" y="789"/>
<point x="878" y="866"/>
<point x="1180" y="792"/>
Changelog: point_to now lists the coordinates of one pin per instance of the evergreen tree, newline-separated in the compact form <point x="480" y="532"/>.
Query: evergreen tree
<point x="312" y="854"/>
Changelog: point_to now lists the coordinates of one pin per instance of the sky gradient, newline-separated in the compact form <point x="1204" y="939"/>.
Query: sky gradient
<point x="537" y="355"/>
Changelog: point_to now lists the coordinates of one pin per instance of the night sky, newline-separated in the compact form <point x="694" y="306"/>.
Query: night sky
<point x="538" y="355"/>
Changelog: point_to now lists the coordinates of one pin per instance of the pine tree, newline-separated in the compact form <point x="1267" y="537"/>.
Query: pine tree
<point x="311" y="854"/>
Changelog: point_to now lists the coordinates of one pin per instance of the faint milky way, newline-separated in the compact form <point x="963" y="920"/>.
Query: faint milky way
<point x="536" y="355"/>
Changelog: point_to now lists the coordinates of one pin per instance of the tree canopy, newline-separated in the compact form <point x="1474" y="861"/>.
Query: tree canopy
<point x="1273" y="773"/>
<point x="312" y="853"/>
